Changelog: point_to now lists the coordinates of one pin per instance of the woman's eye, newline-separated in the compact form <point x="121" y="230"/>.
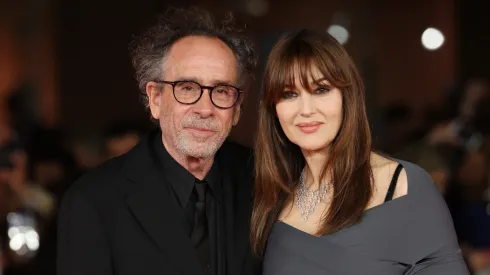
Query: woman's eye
<point x="288" y="95"/>
<point x="322" y="90"/>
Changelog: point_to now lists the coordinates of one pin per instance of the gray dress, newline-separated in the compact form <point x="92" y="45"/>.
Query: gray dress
<point x="413" y="234"/>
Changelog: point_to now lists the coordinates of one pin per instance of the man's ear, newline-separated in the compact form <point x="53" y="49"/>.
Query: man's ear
<point x="236" y="114"/>
<point x="154" y="93"/>
<point x="247" y="86"/>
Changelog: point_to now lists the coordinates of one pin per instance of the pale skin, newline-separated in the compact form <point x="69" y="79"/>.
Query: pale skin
<point x="311" y="120"/>
<point x="209" y="62"/>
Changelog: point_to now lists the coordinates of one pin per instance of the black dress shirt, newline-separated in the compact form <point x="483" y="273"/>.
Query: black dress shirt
<point x="182" y="183"/>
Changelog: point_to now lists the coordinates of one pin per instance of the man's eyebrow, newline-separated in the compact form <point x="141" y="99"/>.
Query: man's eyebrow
<point x="215" y="82"/>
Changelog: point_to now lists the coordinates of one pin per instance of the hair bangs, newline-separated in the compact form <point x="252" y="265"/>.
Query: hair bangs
<point x="295" y="60"/>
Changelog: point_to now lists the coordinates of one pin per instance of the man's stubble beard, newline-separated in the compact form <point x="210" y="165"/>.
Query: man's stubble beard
<point x="193" y="146"/>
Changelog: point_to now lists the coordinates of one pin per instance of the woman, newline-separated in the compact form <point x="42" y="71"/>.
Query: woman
<point x="324" y="202"/>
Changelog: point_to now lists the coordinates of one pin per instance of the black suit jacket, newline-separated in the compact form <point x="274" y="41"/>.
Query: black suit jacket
<point x="120" y="219"/>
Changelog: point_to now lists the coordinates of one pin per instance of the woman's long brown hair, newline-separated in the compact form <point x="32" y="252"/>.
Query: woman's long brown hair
<point x="279" y="162"/>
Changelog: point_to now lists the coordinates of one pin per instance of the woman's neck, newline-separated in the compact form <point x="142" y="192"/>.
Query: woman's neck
<point x="315" y="163"/>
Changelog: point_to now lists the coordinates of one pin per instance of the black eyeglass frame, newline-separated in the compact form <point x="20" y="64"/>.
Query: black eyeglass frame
<point x="209" y="88"/>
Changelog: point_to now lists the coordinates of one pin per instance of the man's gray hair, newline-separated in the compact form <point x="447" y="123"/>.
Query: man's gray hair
<point x="149" y="50"/>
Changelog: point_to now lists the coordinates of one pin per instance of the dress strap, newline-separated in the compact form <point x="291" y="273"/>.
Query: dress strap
<point x="391" y="189"/>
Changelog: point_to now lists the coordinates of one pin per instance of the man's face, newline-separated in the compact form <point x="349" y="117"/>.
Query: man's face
<point x="197" y="130"/>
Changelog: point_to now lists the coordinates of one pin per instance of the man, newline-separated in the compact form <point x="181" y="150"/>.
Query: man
<point x="179" y="202"/>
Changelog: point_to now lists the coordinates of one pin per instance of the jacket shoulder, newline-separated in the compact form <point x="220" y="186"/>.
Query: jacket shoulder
<point x="237" y="151"/>
<point x="100" y="180"/>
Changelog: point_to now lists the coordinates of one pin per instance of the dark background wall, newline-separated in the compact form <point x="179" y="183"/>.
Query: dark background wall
<point x="83" y="76"/>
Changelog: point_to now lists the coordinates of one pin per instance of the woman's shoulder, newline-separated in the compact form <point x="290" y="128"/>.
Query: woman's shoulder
<point x="387" y="172"/>
<point x="425" y="204"/>
<point x="411" y="177"/>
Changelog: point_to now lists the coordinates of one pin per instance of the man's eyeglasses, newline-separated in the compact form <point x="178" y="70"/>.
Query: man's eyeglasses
<point x="189" y="92"/>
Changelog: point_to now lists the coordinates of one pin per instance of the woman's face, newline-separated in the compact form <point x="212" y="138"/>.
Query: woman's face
<point x="310" y="118"/>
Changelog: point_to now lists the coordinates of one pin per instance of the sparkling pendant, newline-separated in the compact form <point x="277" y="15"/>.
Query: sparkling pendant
<point x="308" y="200"/>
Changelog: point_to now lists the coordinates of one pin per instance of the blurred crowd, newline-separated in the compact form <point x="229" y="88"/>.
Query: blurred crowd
<point x="37" y="164"/>
<point x="452" y="143"/>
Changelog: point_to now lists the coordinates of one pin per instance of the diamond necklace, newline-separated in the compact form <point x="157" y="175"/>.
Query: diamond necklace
<point x="307" y="200"/>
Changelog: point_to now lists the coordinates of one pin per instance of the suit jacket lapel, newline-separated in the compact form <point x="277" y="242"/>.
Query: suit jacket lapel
<point x="236" y="186"/>
<point x="153" y="207"/>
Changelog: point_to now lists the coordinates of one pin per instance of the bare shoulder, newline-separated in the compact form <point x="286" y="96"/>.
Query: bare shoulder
<point x="383" y="172"/>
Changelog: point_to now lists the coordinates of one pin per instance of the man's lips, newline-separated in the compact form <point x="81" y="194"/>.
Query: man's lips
<point x="200" y="130"/>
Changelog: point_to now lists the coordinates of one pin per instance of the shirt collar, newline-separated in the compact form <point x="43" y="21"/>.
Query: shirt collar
<point x="181" y="180"/>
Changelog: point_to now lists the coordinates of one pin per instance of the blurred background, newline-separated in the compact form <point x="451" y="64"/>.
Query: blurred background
<point x="69" y="101"/>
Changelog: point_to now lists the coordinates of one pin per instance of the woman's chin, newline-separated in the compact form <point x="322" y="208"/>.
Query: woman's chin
<point x="313" y="148"/>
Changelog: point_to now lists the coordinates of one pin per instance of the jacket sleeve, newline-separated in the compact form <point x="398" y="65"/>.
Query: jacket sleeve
<point x="83" y="246"/>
